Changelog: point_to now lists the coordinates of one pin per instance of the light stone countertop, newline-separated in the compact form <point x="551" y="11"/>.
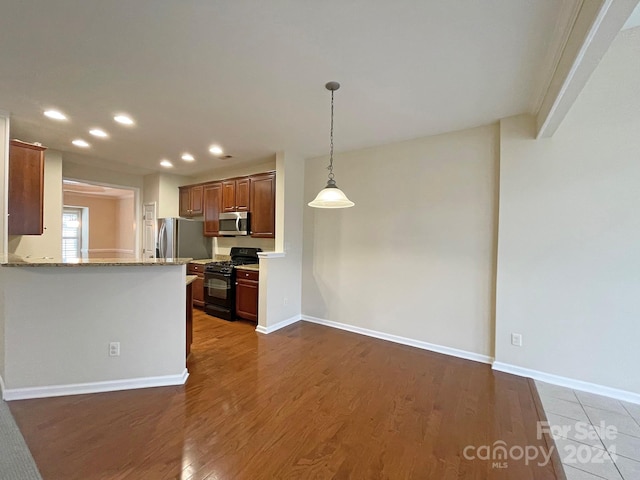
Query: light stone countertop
<point x="254" y="267"/>
<point x="218" y="258"/>
<point x="16" y="261"/>
<point x="190" y="279"/>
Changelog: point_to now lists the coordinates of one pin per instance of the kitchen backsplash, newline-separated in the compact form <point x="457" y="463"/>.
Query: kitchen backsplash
<point x="222" y="245"/>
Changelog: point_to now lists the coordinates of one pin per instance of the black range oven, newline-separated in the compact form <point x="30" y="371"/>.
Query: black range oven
<point x="219" y="282"/>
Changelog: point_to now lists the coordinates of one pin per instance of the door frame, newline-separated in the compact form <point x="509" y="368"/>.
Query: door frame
<point x="137" y="207"/>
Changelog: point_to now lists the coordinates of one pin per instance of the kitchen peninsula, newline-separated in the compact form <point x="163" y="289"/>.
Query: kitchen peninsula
<point x="59" y="321"/>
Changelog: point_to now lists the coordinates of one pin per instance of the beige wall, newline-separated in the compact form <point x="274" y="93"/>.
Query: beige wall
<point x="569" y="256"/>
<point x="49" y="244"/>
<point x="111" y="223"/>
<point x="126" y="224"/>
<point x="415" y="256"/>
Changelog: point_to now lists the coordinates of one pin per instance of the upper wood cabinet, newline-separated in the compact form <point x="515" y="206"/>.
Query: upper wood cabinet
<point x="236" y="194"/>
<point x="191" y="200"/>
<point x="255" y="194"/>
<point x="212" y="208"/>
<point x="263" y="205"/>
<point x="26" y="189"/>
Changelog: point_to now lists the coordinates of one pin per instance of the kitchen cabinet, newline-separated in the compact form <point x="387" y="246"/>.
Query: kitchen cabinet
<point x="247" y="294"/>
<point x="198" y="283"/>
<point x="263" y="205"/>
<point x="26" y="189"/>
<point x="189" y="318"/>
<point x="191" y="200"/>
<point x="236" y="195"/>
<point x="212" y="200"/>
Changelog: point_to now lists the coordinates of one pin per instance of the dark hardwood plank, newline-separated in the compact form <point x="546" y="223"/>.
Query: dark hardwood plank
<point x="305" y="402"/>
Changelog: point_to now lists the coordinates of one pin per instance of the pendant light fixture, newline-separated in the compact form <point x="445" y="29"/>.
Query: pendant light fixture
<point x="331" y="196"/>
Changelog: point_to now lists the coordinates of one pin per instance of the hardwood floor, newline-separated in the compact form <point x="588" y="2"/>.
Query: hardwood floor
<point x="306" y="402"/>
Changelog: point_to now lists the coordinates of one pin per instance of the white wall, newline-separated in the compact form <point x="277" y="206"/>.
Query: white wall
<point x="168" y="197"/>
<point x="53" y="342"/>
<point x="415" y="256"/>
<point x="569" y="256"/>
<point x="49" y="244"/>
<point x="281" y="276"/>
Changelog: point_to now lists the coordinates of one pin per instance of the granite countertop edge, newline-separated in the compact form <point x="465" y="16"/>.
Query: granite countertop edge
<point x="254" y="267"/>
<point x="15" y="261"/>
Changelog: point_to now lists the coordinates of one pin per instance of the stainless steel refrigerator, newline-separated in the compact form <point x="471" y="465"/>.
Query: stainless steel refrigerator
<point x="182" y="238"/>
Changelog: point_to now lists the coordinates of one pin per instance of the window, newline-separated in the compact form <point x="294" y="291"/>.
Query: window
<point x="71" y="233"/>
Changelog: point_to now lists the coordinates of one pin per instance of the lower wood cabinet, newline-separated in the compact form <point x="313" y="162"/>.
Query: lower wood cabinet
<point x="198" y="283"/>
<point x="247" y="294"/>
<point x="189" y="318"/>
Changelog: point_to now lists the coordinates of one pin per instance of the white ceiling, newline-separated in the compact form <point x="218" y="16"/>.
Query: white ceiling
<point x="250" y="75"/>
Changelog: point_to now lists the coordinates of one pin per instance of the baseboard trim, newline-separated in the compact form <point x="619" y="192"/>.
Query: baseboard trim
<point x="2" y="388"/>
<point x="278" y="326"/>
<point x="94" y="387"/>
<point x="568" y="382"/>
<point x="454" y="352"/>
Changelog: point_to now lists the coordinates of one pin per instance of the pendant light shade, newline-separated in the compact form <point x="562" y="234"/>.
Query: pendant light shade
<point x="331" y="196"/>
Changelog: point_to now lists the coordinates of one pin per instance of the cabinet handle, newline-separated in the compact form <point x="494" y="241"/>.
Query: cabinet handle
<point x="236" y="283"/>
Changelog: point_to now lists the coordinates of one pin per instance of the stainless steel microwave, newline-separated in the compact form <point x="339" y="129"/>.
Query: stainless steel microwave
<point x="234" y="223"/>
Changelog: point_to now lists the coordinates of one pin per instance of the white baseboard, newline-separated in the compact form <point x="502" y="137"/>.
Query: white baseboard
<point x="278" y="326"/>
<point x="1" y="387"/>
<point x="476" y="357"/>
<point x="568" y="382"/>
<point x="94" y="387"/>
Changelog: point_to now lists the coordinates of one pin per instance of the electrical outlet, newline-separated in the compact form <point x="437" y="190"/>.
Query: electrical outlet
<point x="114" y="349"/>
<point x="516" y="339"/>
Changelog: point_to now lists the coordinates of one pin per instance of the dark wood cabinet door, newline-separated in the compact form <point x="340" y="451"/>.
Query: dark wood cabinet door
<point x="243" y="194"/>
<point x="198" y="291"/>
<point x="247" y="299"/>
<point x="185" y="201"/>
<point x="196" y="199"/>
<point x="189" y="318"/>
<point x="212" y="208"/>
<point x="229" y="196"/>
<point x="263" y="206"/>
<point x="26" y="189"/>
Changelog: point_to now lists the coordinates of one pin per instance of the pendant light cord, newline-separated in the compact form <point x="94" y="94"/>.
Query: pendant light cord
<point x="330" y="168"/>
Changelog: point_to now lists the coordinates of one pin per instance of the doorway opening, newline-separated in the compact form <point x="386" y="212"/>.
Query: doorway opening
<point x="99" y="221"/>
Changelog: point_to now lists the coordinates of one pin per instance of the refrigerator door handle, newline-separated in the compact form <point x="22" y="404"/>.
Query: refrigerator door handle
<point x="162" y="240"/>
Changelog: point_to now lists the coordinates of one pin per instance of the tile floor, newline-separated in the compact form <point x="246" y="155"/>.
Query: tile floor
<point x="597" y="437"/>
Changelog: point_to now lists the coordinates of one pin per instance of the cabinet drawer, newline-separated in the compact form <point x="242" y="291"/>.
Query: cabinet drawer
<point x="195" y="268"/>
<point x="247" y="275"/>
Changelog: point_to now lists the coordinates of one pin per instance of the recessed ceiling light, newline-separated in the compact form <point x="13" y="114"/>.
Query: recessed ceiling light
<point x="123" y="119"/>
<point x="78" y="142"/>
<point x="187" y="157"/>
<point x="55" y="114"/>
<point x="166" y="163"/>
<point x="215" y="149"/>
<point x="96" y="132"/>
